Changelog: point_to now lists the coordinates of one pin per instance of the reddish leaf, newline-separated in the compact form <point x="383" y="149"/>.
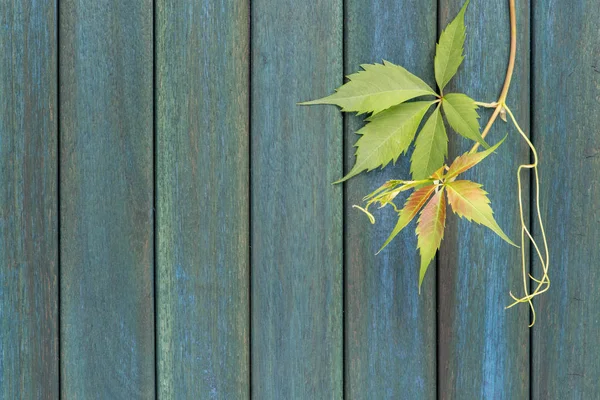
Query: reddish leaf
<point x="468" y="160"/>
<point x="412" y="206"/>
<point x="470" y="201"/>
<point x="430" y="230"/>
<point x="439" y="174"/>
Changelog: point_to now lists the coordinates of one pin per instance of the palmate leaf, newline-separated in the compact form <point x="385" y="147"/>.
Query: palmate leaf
<point x="431" y="147"/>
<point x="377" y="88"/>
<point x="386" y="136"/>
<point x="470" y="201"/>
<point x="430" y="230"/>
<point x="469" y="160"/>
<point x="467" y="199"/>
<point x="462" y="117"/>
<point x="413" y="205"/>
<point x="449" y="50"/>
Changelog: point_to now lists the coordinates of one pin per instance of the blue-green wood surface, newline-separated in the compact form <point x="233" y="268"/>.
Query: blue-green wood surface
<point x="566" y="92"/>
<point x="296" y="214"/>
<point x="202" y="105"/>
<point x="484" y="349"/>
<point x="106" y="186"/>
<point x="266" y="282"/>
<point x="390" y="329"/>
<point x="28" y="201"/>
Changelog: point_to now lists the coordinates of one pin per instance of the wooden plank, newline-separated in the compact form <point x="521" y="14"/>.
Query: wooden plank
<point x="28" y="202"/>
<point x="106" y="184"/>
<point x="483" y="348"/>
<point x="296" y="234"/>
<point x="202" y="199"/>
<point x="566" y="337"/>
<point x="390" y="329"/>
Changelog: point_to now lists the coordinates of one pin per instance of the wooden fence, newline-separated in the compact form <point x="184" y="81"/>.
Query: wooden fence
<point x="168" y="226"/>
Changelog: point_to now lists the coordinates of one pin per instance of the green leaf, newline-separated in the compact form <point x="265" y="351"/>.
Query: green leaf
<point x="413" y="204"/>
<point x="469" y="160"/>
<point x="430" y="230"/>
<point x="468" y="200"/>
<point x="449" y="50"/>
<point x="431" y="147"/>
<point x="386" y="136"/>
<point x="462" y="117"/>
<point x="377" y="88"/>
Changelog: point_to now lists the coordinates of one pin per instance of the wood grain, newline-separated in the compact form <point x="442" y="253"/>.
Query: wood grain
<point x="566" y="92"/>
<point x="483" y="348"/>
<point x="390" y="329"/>
<point x="296" y="153"/>
<point x="28" y="201"/>
<point x="106" y="185"/>
<point x="202" y="199"/>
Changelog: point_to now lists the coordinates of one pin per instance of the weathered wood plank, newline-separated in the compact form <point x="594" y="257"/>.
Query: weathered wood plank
<point x="202" y="199"/>
<point x="106" y="183"/>
<point x="566" y="87"/>
<point x="483" y="348"/>
<point x="28" y="201"/>
<point x="390" y="329"/>
<point x="296" y="152"/>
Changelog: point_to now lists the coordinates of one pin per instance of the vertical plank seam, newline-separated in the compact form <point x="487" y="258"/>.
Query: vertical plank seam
<point x="344" y="205"/>
<point x="154" y="203"/>
<point x="531" y="180"/>
<point x="58" y="193"/>
<point x="437" y="262"/>
<point x="249" y="209"/>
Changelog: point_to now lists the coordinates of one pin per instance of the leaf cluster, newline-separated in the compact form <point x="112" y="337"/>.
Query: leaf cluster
<point x="397" y="102"/>
<point x="386" y="90"/>
<point x="430" y="196"/>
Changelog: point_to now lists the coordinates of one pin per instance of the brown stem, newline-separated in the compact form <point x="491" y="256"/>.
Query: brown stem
<point x="509" y="72"/>
<point x="513" y="51"/>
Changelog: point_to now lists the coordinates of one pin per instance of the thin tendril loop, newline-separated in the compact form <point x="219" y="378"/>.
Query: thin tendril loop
<point x="500" y="109"/>
<point x="543" y="284"/>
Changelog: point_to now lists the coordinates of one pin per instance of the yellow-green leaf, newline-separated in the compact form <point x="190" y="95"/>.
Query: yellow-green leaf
<point x="386" y="136"/>
<point x="377" y="88"/>
<point x="413" y="204"/>
<point x="469" y="160"/>
<point x="449" y="50"/>
<point x="431" y="147"/>
<point x="430" y="230"/>
<point x="462" y="117"/>
<point x="438" y="174"/>
<point x="470" y="201"/>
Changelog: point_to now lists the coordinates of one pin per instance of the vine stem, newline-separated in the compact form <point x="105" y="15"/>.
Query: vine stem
<point x="487" y="105"/>
<point x="501" y="103"/>
<point x="500" y="108"/>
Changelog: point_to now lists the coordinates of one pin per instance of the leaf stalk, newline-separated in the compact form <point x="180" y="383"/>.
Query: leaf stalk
<point x="500" y="109"/>
<point x="501" y="103"/>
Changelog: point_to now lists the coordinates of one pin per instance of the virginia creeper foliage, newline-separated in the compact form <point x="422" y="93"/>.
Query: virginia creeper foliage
<point x="397" y="102"/>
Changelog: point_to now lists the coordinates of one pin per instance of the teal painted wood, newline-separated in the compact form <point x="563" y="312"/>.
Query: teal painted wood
<point x="483" y="348"/>
<point x="566" y="85"/>
<point x="28" y="201"/>
<point x="106" y="186"/>
<point x="202" y="199"/>
<point x="390" y="330"/>
<point x="296" y="152"/>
